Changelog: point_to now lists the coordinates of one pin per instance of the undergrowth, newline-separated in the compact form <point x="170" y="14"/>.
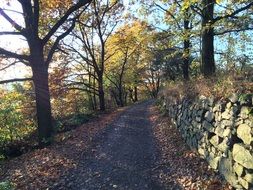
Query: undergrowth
<point x="219" y="87"/>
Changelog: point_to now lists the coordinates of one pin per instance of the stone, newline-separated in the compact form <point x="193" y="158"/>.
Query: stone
<point x="202" y="97"/>
<point x="226" y="169"/>
<point x="213" y="150"/>
<point x="226" y="115"/>
<point x="214" y="140"/>
<point x="219" y="130"/>
<point x="244" y="133"/>
<point x="228" y="105"/>
<point x="198" y="119"/>
<point x="214" y="162"/>
<point x="227" y="132"/>
<point x="217" y="107"/>
<point x="233" y="98"/>
<point x="200" y="113"/>
<point x="245" y="112"/>
<point x="223" y="146"/>
<point x="201" y="151"/>
<point x="208" y="126"/>
<point x="185" y="113"/>
<point x="242" y="156"/>
<point x="209" y="116"/>
<point x="235" y="110"/>
<point x="210" y="101"/>
<point x="238" y="122"/>
<point x="226" y="123"/>
<point x="249" y="178"/>
<point x="249" y="122"/>
<point x="245" y="99"/>
<point x="217" y="117"/>
<point x="238" y="169"/>
<point x="244" y="183"/>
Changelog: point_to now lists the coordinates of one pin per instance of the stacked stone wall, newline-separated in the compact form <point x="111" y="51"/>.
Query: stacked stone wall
<point x="221" y="131"/>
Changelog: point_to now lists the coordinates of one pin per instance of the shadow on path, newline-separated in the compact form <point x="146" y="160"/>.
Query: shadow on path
<point x="122" y="156"/>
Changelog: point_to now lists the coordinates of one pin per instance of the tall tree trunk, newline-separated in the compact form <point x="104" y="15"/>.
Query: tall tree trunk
<point x="125" y="96"/>
<point x="131" y="94"/>
<point x="94" y="92"/>
<point x="121" y="98"/>
<point x="207" y="55"/>
<point x="115" y="96"/>
<point x="91" y="104"/>
<point x="43" y="106"/>
<point x="42" y="95"/>
<point x="186" y="56"/>
<point x="101" y="93"/>
<point x="135" y="94"/>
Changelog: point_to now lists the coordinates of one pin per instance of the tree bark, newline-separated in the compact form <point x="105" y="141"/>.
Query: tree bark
<point x="186" y="59"/>
<point x="207" y="54"/>
<point x="94" y="92"/>
<point x="121" y="98"/>
<point x="43" y="106"/>
<point x="186" y="56"/>
<point x="135" y="94"/>
<point x="101" y="94"/>
<point x="131" y="94"/>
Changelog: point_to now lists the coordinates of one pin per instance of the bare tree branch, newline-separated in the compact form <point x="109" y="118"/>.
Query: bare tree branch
<point x="64" y="18"/>
<point x="10" y="33"/>
<point x="8" y="66"/>
<point x="232" y="30"/>
<point x="11" y="21"/>
<point x="233" y="13"/>
<point x="56" y="43"/>
<point x="162" y="8"/>
<point x="13" y="55"/>
<point x="15" y="80"/>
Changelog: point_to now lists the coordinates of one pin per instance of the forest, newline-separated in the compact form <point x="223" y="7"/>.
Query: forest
<point x="66" y="63"/>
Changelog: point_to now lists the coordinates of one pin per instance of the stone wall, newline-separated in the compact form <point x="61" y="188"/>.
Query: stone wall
<point x="221" y="132"/>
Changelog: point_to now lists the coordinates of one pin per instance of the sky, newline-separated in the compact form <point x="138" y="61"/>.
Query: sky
<point x="12" y="43"/>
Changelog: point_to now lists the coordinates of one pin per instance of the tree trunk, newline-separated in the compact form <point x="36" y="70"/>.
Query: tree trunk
<point x="131" y="94"/>
<point x="125" y="97"/>
<point x="186" y="56"/>
<point x="121" y="98"/>
<point x="43" y="106"/>
<point x="135" y="94"/>
<point x="207" y="55"/>
<point x="186" y="60"/>
<point x="101" y="94"/>
<point x="94" y="93"/>
<point x="115" y="96"/>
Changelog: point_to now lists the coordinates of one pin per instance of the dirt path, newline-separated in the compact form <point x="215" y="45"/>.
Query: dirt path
<point x="134" y="150"/>
<point x="122" y="156"/>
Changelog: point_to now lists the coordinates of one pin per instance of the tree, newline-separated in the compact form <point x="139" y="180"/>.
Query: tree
<point x="128" y="43"/>
<point x="41" y="47"/>
<point x="90" y="38"/>
<point x="180" y="21"/>
<point x="206" y="11"/>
